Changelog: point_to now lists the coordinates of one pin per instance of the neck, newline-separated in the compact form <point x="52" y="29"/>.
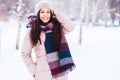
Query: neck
<point x="44" y="24"/>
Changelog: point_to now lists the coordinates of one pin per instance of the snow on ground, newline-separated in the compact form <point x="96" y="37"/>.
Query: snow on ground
<point x="97" y="58"/>
<point x="98" y="55"/>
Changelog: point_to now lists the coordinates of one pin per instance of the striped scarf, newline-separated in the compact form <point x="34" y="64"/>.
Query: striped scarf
<point x="60" y="61"/>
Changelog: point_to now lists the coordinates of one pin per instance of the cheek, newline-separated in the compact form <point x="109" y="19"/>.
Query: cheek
<point x="48" y="15"/>
<point x="40" y="15"/>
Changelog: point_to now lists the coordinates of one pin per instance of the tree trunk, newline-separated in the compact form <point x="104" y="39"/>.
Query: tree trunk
<point x="95" y="9"/>
<point x="19" y="27"/>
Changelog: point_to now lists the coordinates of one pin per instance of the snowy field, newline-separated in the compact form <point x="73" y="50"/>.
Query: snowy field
<point x="97" y="58"/>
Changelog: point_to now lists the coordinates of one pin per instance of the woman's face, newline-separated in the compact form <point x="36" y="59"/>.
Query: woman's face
<point x="45" y="14"/>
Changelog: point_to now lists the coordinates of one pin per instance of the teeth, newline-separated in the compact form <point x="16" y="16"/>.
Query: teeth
<point x="45" y="18"/>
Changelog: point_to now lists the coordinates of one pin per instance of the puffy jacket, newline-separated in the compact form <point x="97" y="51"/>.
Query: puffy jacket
<point x="40" y="67"/>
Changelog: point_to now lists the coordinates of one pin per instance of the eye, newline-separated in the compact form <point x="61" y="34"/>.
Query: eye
<point x="48" y="11"/>
<point x="41" y="11"/>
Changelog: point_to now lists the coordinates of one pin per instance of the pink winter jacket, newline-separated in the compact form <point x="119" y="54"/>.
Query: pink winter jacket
<point x="40" y="67"/>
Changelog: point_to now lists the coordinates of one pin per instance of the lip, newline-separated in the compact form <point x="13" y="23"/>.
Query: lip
<point x="45" y="19"/>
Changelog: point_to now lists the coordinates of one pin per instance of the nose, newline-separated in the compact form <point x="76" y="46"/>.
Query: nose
<point x="45" y="14"/>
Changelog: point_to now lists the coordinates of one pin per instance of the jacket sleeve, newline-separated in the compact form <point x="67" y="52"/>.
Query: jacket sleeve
<point x="26" y="53"/>
<point x="67" y="25"/>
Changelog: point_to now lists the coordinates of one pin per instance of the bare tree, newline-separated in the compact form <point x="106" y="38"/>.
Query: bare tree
<point x="112" y="9"/>
<point x="19" y="27"/>
<point x="118" y="10"/>
<point x="6" y="6"/>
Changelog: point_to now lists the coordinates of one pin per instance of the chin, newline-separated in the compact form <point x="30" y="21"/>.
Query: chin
<point x="45" y="21"/>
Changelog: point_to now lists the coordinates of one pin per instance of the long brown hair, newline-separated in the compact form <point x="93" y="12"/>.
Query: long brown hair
<point x="36" y="30"/>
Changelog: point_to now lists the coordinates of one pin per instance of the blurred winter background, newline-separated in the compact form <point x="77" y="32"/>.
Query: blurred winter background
<point x="94" y="44"/>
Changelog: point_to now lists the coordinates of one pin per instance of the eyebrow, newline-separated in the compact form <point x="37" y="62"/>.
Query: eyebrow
<point x="46" y="11"/>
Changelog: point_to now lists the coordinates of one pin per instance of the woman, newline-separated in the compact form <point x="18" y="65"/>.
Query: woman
<point x="46" y="36"/>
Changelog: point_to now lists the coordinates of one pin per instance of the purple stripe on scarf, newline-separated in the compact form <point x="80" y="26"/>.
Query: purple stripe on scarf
<point x="50" y="25"/>
<point x="47" y="27"/>
<point x="63" y="40"/>
<point x="65" y="67"/>
<point x="64" y="47"/>
<point x="31" y="20"/>
<point x="55" y="71"/>
<point x="54" y="64"/>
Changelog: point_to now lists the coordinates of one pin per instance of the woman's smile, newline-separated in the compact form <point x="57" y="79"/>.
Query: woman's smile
<point x="45" y="14"/>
